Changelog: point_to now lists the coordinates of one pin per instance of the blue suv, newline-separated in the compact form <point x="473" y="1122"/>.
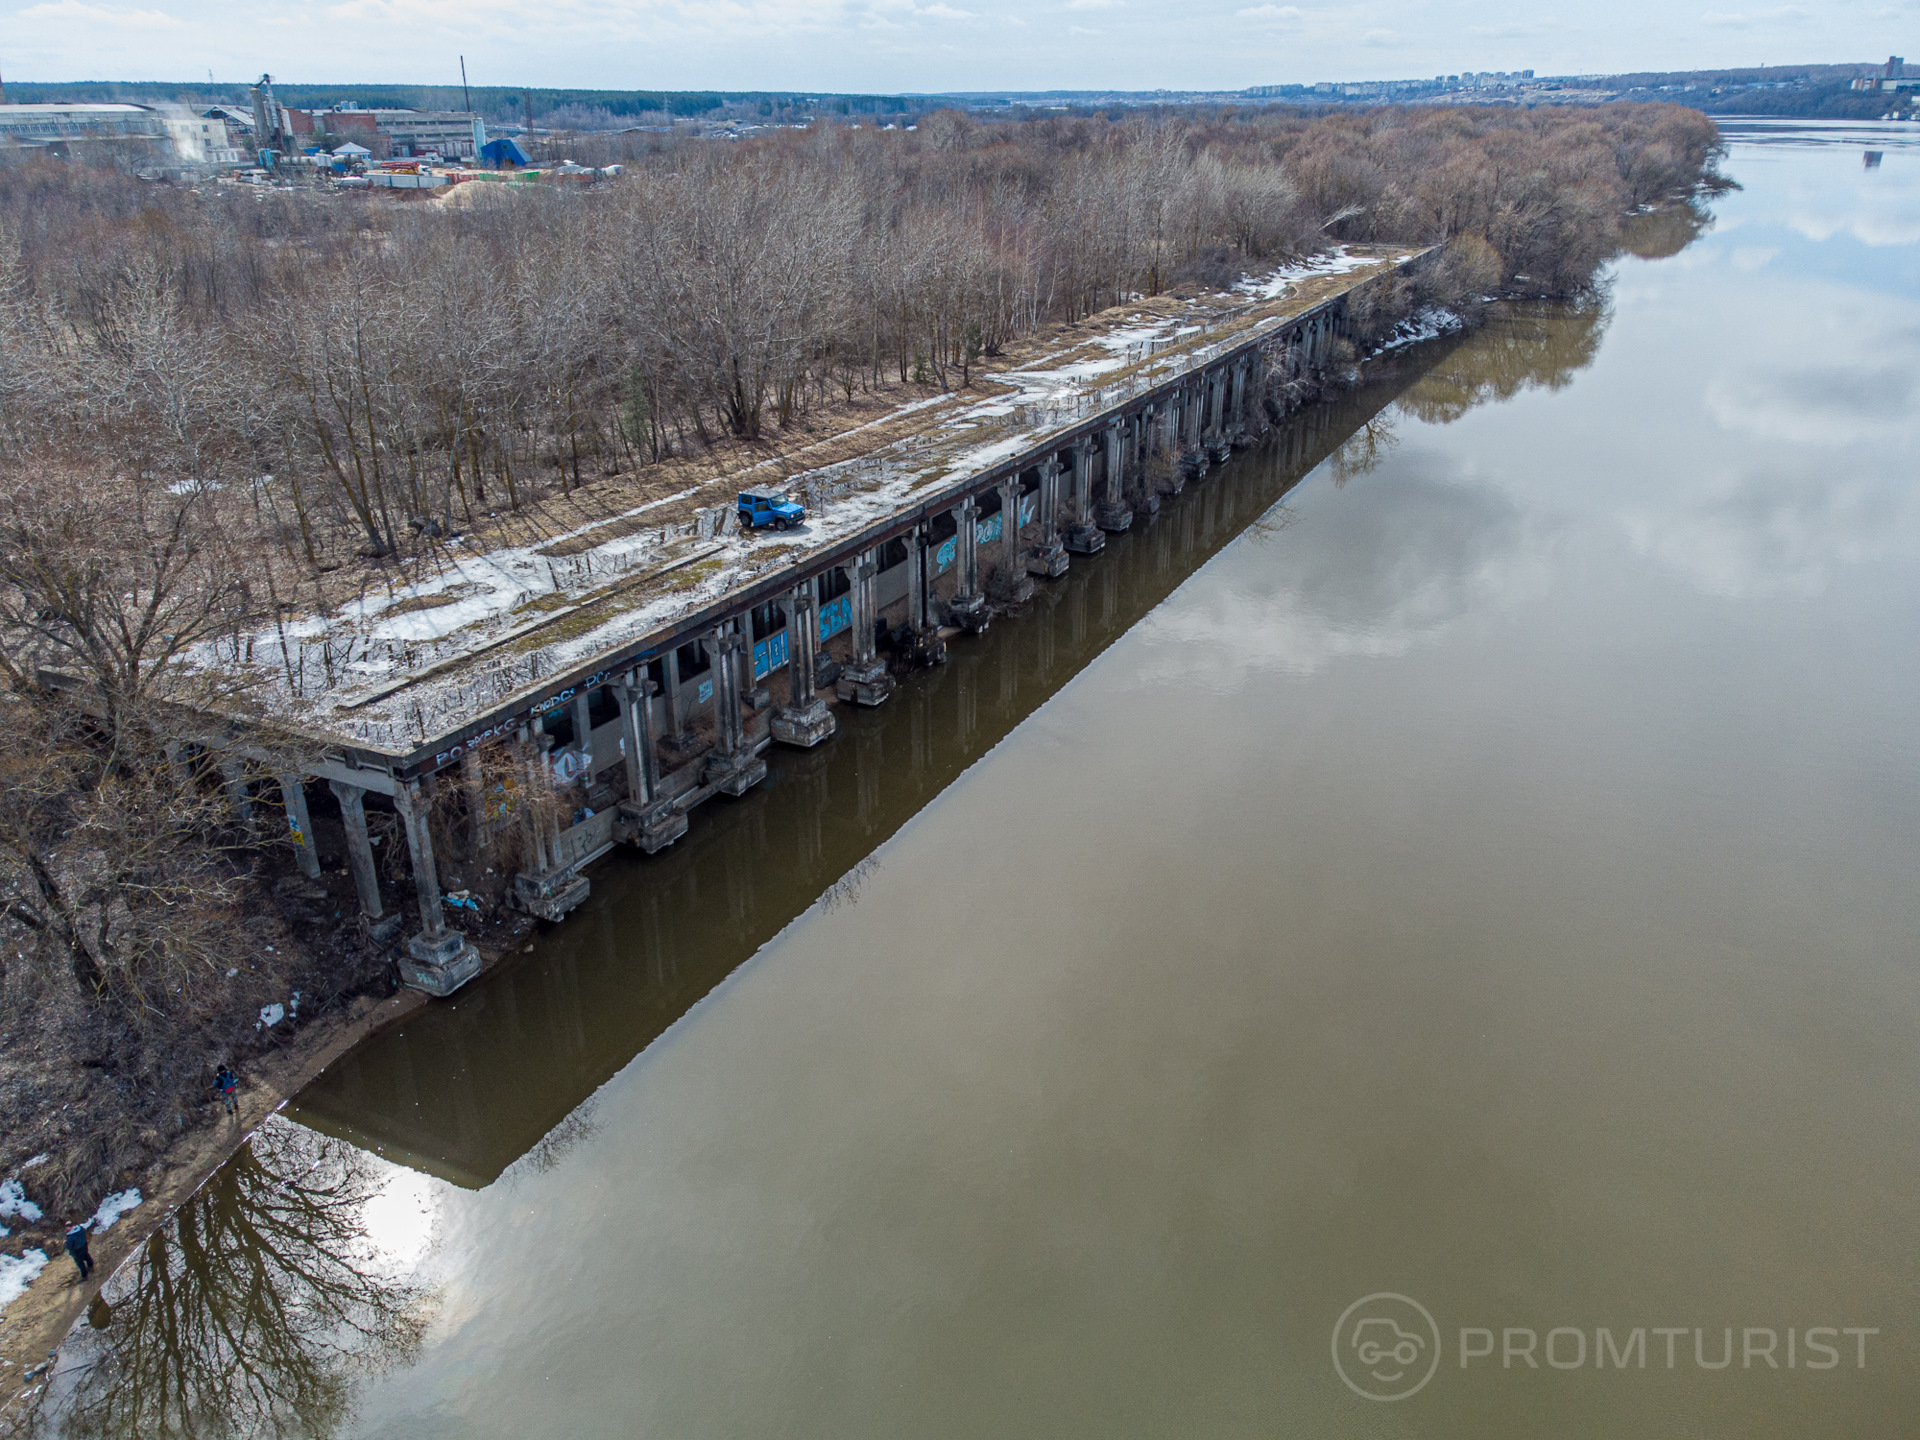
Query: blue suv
<point x="759" y="508"/>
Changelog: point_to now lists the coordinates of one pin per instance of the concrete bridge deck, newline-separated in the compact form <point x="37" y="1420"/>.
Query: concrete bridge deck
<point x="631" y="674"/>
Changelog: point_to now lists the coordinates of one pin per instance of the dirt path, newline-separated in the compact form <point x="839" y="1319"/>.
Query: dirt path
<point x="34" y="1325"/>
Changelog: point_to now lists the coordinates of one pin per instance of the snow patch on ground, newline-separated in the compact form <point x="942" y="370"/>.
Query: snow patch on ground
<point x="17" y="1272"/>
<point x="112" y="1208"/>
<point x="14" y="1204"/>
<point x="1272" y="287"/>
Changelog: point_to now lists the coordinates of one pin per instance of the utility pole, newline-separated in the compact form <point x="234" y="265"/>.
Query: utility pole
<point x="465" y="94"/>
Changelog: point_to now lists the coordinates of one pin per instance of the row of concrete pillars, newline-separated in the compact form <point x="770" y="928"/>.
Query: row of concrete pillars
<point x="1195" y="422"/>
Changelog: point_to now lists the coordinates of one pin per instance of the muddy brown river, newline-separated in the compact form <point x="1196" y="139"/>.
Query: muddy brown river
<point x="1422" y="940"/>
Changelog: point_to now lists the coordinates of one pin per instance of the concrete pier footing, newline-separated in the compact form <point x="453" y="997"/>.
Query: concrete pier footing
<point x="649" y="828"/>
<point x="803" y="726"/>
<point x="548" y="896"/>
<point x="735" y="774"/>
<point x="922" y="648"/>
<point x="439" y="964"/>
<point x="969" y="613"/>
<point x="864" y="684"/>
<point x="1047" y="560"/>
<point x="1088" y="539"/>
<point x="1012" y="588"/>
<point x="1113" y="515"/>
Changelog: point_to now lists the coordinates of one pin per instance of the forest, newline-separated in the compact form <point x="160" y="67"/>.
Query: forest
<point x="214" y="396"/>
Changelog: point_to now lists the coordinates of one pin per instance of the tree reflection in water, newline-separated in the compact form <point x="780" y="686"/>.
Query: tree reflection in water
<point x="1530" y="346"/>
<point x="254" y="1311"/>
<point x="1667" y="231"/>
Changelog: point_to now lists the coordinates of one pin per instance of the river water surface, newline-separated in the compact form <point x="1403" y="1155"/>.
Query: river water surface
<point x="1466" y="852"/>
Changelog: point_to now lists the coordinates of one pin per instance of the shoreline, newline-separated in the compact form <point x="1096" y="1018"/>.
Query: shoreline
<point x="33" y="1327"/>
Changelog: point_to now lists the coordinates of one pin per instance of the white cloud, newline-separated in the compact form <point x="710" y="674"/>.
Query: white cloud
<point x="1082" y="30"/>
<point x="1380" y="37"/>
<point x="1094" y="4"/>
<point x="103" y="15"/>
<point x="1735" y="20"/>
<point x="1272" y="14"/>
<point x="944" y="12"/>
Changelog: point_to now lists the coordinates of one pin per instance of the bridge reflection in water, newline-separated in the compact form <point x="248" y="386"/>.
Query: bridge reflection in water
<point x="466" y="1087"/>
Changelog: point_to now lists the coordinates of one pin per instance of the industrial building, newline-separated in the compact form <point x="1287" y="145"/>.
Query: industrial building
<point x="167" y="133"/>
<point x="454" y="134"/>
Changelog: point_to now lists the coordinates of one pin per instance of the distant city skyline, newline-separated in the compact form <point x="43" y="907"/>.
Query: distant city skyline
<point x="890" y="46"/>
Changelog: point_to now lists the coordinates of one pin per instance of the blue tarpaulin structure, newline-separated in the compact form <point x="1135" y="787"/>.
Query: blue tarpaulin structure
<point x="504" y="151"/>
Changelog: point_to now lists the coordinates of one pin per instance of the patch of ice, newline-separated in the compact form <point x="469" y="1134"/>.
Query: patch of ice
<point x="14" y="1204"/>
<point x="17" y="1272"/>
<point x="270" y="1016"/>
<point x="39" y="1159"/>
<point x="113" y="1207"/>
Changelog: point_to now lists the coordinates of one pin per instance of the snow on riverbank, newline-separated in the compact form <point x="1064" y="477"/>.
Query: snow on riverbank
<point x="1428" y="324"/>
<point x="112" y="1208"/>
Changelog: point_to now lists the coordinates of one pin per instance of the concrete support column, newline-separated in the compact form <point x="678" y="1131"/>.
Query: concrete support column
<point x="583" y="729"/>
<point x="643" y="819"/>
<point x="353" y="815"/>
<point x="474" y="783"/>
<point x="968" y="608"/>
<point x="917" y="580"/>
<point x="865" y="680"/>
<point x="1083" y="536"/>
<point x="1113" y="512"/>
<point x="676" y="716"/>
<point x="864" y="574"/>
<point x="805" y="720"/>
<point x="439" y="960"/>
<point x="1010" y="525"/>
<point x="924" y="645"/>
<point x="1016" y="585"/>
<point x="734" y="767"/>
<point x="532" y="782"/>
<point x="724" y="642"/>
<point x="1050" y="499"/>
<point x="803" y="643"/>
<point x="293" y="795"/>
<point x="641" y="764"/>
<point x="233" y="774"/>
<point x="408" y="800"/>
<point x="1049" y="557"/>
<point x="549" y="889"/>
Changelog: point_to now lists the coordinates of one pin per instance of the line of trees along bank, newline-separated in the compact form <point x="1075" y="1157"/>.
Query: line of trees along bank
<point x="432" y="361"/>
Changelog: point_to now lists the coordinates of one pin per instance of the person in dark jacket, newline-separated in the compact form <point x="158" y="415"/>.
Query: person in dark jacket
<point x="228" y="1084"/>
<point x="77" y="1248"/>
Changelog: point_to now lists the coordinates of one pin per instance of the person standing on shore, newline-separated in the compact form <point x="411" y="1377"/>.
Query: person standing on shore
<point x="228" y="1084"/>
<point x="77" y="1248"/>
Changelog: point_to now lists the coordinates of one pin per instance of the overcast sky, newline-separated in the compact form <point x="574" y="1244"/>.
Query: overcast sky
<point x="923" y="45"/>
